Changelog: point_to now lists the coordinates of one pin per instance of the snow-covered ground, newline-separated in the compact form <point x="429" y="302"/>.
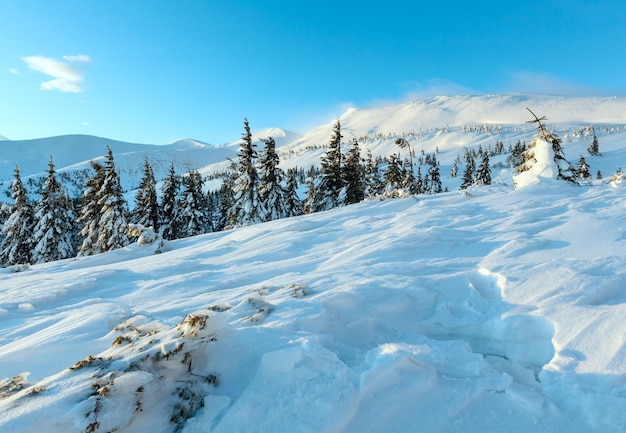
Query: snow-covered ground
<point x="491" y="310"/>
<point x="497" y="310"/>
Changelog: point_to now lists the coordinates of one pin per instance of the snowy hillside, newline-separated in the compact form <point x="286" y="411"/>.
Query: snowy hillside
<point x="498" y="310"/>
<point x="72" y="153"/>
<point x="447" y="124"/>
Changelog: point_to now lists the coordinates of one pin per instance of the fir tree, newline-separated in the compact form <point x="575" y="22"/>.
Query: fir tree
<point x="54" y="213"/>
<point x="393" y="173"/>
<point x="329" y="191"/>
<point x="433" y="180"/>
<point x="170" y="224"/>
<point x="226" y="198"/>
<point x="483" y="174"/>
<point x="594" y="147"/>
<point x="146" y="210"/>
<point x="247" y="206"/>
<point x="90" y="211"/>
<point x="354" y="175"/>
<point x="272" y="180"/>
<point x="293" y="204"/>
<point x="194" y="211"/>
<point x="583" y="168"/>
<point x="565" y="169"/>
<point x="373" y="182"/>
<point x="113" y="222"/>
<point x="18" y="228"/>
<point x="470" y="167"/>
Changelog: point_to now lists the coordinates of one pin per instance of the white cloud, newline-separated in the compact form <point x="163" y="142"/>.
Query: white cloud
<point x="438" y="87"/>
<point x="549" y="84"/>
<point x="67" y="73"/>
<point x="15" y="71"/>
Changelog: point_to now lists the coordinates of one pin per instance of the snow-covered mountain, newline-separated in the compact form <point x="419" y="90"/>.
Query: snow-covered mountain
<point x="447" y="124"/>
<point x="488" y="310"/>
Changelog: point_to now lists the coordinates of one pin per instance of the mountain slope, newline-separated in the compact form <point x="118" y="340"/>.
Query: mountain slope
<point x="497" y="310"/>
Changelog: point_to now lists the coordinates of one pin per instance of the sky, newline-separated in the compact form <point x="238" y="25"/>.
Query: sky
<point x="155" y="71"/>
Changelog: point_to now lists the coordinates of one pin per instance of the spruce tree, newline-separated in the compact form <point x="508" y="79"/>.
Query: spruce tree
<point x="565" y="170"/>
<point x="583" y="168"/>
<point x="54" y="213"/>
<point x="354" y="174"/>
<point x="393" y="173"/>
<point x="169" y="223"/>
<point x="272" y="180"/>
<point x="293" y="204"/>
<point x="373" y="182"/>
<point x="146" y="210"/>
<point x="194" y="211"/>
<point x="470" y="167"/>
<point x="18" y="228"/>
<point x="594" y="148"/>
<point x="247" y="206"/>
<point x="433" y="179"/>
<point x="226" y="198"/>
<point x="483" y="174"/>
<point x="113" y="223"/>
<point x="90" y="211"/>
<point x="329" y="193"/>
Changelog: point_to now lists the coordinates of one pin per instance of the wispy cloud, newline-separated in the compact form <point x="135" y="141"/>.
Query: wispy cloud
<point x="67" y="74"/>
<point x="15" y="71"/>
<point x="549" y="84"/>
<point x="437" y="87"/>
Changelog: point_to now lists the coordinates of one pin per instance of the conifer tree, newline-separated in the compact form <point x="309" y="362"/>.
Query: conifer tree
<point x="330" y="191"/>
<point x="272" y="180"/>
<point x="393" y="173"/>
<point x="169" y="223"/>
<point x="483" y="174"/>
<point x="146" y="210"/>
<point x="433" y="180"/>
<point x="54" y="216"/>
<point x="583" y="168"/>
<point x="194" y="211"/>
<point x="293" y="204"/>
<point x="470" y="167"/>
<point x="17" y="229"/>
<point x="113" y="223"/>
<point x="90" y="211"/>
<point x="373" y="182"/>
<point x="247" y="206"/>
<point x="594" y="148"/>
<point x="225" y="198"/>
<point x="565" y="170"/>
<point x="354" y="174"/>
<point x="419" y="182"/>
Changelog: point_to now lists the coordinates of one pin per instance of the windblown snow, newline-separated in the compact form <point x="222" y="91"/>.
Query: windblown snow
<point x="490" y="310"/>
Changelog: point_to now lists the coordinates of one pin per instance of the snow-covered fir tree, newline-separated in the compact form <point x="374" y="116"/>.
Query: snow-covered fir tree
<point x="432" y="182"/>
<point x="193" y="209"/>
<point x="225" y="197"/>
<point x="146" y="211"/>
<point x="54" y="215"/>
<point x="169" y="222"/>
<point x="583" y="168"/>
<point x="374" y="185"/>
<point x="546" y="146"/>
<point x="483" y="173"/>
<point x="90" y="213"/>
<point x="330" y="191"/>
<point x="354" y="174"/>
<point x="272" y="179"/>
<point x="247" y="208"/>
<point x="293" y="204"/>
<point x="393" y="173"/>
<point x="594" y="148"/>
<point x="113" y="223"/>
<point x="468" y="173"/>
<point x="18" y="228"/>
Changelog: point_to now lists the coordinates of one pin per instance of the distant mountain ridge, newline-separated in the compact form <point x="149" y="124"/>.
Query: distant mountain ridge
<point x="441" y="123"/>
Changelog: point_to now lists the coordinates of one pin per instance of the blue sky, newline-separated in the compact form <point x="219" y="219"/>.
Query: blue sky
<point x="154" y="71"/>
